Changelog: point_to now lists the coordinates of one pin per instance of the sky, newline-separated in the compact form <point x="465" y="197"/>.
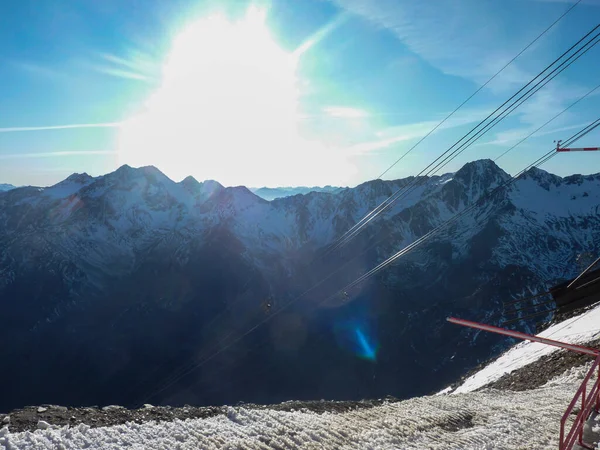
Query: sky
<point x="283" y="92"/>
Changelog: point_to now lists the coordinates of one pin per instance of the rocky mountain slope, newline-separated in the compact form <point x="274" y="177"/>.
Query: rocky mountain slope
<point x="279" y="192"/>
<point x="114" y="287"/>
<point x="6" y="187"/>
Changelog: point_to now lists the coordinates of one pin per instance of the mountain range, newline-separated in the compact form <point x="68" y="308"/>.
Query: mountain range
<point x="130" y="288"/>
<point x="272" y="193"/>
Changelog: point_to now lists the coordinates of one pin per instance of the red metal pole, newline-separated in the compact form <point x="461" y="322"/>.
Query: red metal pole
<point x="525" y="336"/>
<point x="583" y="418"/>
<point x="578" y="149"/>
<point x="598" y="396"/>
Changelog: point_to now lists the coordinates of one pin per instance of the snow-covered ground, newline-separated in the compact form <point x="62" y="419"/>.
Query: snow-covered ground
<point x="479" y="420"/>
<point x="485" y="419"/>
<point x="578" y="329"/>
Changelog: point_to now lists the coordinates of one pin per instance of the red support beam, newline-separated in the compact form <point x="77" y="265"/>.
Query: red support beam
<point x="525" y="336"/>
<point x="579" y="149"/>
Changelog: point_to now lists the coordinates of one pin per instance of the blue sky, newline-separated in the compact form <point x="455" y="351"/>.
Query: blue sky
<point x="281" y="92"/>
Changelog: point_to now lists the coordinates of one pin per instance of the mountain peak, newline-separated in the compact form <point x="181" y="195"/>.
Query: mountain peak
<point x="480" y="166"/>
<point x="190" y="184"/>
<point x="484" y="170"/>
<point x="189" y="180"/>
<point x="6" y="187"/>
<point x="211" y="186"/>
<point x="80" y="178"/>
<point x="126" y="173"/>
<point x="544" y="179"/>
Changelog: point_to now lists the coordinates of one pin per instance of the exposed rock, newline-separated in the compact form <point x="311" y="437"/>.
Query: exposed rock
<point x="43" y="425"/>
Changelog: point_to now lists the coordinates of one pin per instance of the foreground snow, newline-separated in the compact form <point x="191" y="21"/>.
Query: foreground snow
<point x="470" y="420"/>
<point x="577" y="330"/>
<point x="486" y="419"/>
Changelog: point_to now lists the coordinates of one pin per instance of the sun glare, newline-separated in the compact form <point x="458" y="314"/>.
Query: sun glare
<point x="226" y="108"/>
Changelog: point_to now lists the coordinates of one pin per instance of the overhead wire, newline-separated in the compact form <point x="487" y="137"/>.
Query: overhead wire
<point x="540" y="161"/>
<point x="539" y="85"/>
<point x="539" y="36"/>
<point x="595" y="280"/>
<point x="408" y="190"/>
<point x="584" y="272"/>
<point x="512" y="302"/>
<point x="195" y="365"/>
<point x="434" y="161"/>
<point x="268" y="318"/>
<point x="450" y="153"/>
<point x="453" y="112"/>
<point x="553" y="118"/>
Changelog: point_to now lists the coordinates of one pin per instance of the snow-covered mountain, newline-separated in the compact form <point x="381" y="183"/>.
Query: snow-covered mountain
<point x="279" y="192"/>
<point x="118" y="285"/>
<point x="6" y="187"/>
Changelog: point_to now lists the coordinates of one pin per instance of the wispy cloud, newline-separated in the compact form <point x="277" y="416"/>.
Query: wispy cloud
<point x="516" y="134"/>
<point x="56" y="154"/>
<point x="445" y="35"/>
<point x="38" y="70"/>
<point x="134" y="65"/>
<point x="321" y="34"/>
<point x="121" y="73"/>
<point x="395" y="134"/>
<point x="60" y="127"/>
<point x="345" y="112"/>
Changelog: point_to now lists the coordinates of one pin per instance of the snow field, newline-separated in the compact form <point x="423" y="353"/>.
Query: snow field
<point x="478" y="420"/>
<point x="576" y="330"/>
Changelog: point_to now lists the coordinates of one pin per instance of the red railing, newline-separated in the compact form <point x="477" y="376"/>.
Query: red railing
<point x="589" y="399"/>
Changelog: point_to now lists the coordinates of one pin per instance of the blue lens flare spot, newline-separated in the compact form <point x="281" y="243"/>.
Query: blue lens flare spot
<point x="366" y="349"/>
<point x="357" y="340"/>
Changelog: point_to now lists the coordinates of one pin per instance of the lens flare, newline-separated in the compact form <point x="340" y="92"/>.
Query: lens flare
<point x="366" y="349"/>
<point x="355" y="336"/>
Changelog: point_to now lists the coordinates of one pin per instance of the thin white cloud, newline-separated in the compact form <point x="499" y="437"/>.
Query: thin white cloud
<point x="60" y="127"/>
<point x="406" y="132"/>
<point x="444" y="33"/>
<point x="321" y="34"/>
<point x="119" y="61"/>
<point x="57" y="154"/>
<point x="132" y="65"/>
<point x="344" y="112"/>
<point x="516" y="134"/>
<point x="40" y="70"/>
<point x="121" y="73"/>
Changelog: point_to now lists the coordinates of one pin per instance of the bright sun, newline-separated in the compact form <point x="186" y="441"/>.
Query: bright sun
<point x="226" y="108"/>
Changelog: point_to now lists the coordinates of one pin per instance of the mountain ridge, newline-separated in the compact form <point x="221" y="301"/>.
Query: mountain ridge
<point x="145" y="274"/>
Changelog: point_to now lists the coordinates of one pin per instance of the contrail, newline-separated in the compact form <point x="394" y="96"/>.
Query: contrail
<point x="56" y="154"/>
<point x="61" y="127"/>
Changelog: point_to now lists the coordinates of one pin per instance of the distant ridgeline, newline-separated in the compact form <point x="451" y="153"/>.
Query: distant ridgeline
<point x="131" y="288"/>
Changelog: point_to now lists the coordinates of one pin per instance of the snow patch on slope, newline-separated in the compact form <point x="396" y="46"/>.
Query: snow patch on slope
<point x="69" y="186"/>
<point x="576" y="330"/>
<point x="491" y="419"/>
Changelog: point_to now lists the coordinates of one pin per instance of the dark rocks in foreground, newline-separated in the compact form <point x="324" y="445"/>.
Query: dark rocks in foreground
<point x="31" y="418"/>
